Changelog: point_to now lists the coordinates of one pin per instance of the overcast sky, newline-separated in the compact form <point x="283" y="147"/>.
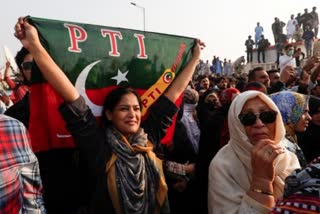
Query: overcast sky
<point x="223" y="25"/>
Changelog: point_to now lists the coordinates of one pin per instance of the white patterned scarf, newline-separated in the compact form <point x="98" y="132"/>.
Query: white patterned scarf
<point x="138" y="185"/>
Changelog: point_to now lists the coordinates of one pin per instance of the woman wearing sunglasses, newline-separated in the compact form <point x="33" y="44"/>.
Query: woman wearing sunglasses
<point x="24" y="62"/>
<point x="247" y="175"/>
<point x="294" y="108"/>
<point x="20" y="89"/>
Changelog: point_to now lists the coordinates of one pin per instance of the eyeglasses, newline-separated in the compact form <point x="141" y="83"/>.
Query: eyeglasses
<point x="248" y="119"/>
<point x="26" y="65"/>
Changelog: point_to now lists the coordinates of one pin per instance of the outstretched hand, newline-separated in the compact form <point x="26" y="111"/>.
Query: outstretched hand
<point x="8" y="64"/>
<point x="26" y="33"/>
<point x="28" y="36"/>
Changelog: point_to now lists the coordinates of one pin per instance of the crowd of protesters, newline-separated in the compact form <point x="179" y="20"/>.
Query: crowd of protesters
<point x="302" y="28"/>
<point x="294" y="91"/>
<point x="243" y="142"/>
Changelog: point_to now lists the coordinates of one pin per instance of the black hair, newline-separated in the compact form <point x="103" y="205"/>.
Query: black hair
<point x="201" y="77"/>
<point x="19" y="60"/>
<point x="252" y="73"/>
<point x="272" y="71"/>
<point x="219" y="79"/>
<point x="20" y="57"/>
<point x="255" y="86"/>
<point x="240" y="84"/>
<point x="288" y="46"/>
<point x="113" y="98"/>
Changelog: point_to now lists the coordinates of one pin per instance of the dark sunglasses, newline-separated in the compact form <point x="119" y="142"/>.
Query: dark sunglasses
<point x="26" y="65"/>
<point x="248" y="119"/>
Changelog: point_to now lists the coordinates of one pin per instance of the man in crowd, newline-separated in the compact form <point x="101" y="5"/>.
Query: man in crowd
<point x="221" y="83"/>
<point x="308" y="37"/>
<point x="258" y="74"/>
<point x="288" y="58"/>
<point x="306" y="19"/>
<point x="228" y="69"/>
<point x="263" y="44"/>
<point x="286" y="79"/>
<point x="277" y="29"/>
<point x="297" y="35"/>
<point x="299" y="56"/>
<point x="280" y="46"/>
<point x="315" y="19"/>
<point x="258" y="32"/>
<point x="291" y="27"/>
<point x="274" y="76"/>
<point x="20" y="182"/>
<point x="299" y="21"/>
<point x="249" y="45"/>
<point x="204" y="83"/>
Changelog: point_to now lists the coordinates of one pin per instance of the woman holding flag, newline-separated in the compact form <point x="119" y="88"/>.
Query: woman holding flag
<point x="125" y="176"/>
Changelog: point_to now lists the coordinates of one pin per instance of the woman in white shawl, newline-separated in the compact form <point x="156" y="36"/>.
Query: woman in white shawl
<point x="247" y="175"/>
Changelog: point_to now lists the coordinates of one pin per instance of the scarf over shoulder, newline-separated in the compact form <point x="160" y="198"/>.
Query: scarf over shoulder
<point x="134" y="174"/>
<point x="230" y="172"/>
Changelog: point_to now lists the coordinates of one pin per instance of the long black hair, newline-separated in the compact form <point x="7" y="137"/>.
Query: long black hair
<point x="21" y="54"/>
<point x="113" y="98"/>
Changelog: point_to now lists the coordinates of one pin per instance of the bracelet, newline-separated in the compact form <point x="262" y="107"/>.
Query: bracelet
<point x="262" y="191"/>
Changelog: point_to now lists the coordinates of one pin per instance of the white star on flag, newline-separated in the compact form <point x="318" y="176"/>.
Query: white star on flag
<point x="120" y="77"/>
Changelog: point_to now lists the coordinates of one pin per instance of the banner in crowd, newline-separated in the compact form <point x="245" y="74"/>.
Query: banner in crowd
<point x="97" y="59"/>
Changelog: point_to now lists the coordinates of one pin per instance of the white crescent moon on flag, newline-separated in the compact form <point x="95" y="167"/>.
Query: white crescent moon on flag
<point x="81" y="87"/>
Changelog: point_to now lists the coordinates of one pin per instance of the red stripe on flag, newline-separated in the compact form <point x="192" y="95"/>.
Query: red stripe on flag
<point x="46" y="125"/>
<point x="178" y="57"/>
<point x="167" y="140"/>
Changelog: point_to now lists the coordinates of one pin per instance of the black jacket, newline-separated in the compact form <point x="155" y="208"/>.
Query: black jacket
<point x="95" y="150"/>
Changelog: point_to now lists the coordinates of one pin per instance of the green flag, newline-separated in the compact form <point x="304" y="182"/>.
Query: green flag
<point x="97" y="59"/>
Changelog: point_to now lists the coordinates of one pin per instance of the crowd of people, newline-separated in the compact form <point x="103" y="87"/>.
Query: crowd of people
<point x="282" y="98"/>
<point x="243" y="142"/>
<point x="302" y="28"/>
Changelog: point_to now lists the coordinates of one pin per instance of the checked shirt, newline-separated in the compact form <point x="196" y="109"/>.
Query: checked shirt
<point x="20" y="183"/>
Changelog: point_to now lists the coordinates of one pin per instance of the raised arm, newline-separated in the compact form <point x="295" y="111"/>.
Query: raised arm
<point x="28" y="36"/>
<point x="6" y="76"/>
<point x="180" y="83"/>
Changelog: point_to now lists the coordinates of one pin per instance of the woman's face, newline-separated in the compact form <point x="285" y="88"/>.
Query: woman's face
<point x="126" y="116"/>
<point x="303" y="122"/>
<point x="213" y="99"/>
<point x="27" y="72"/>
<point x="258" y="131"/>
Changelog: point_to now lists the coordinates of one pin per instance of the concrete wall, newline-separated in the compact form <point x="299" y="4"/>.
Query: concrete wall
<point x="270" y="57"/>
